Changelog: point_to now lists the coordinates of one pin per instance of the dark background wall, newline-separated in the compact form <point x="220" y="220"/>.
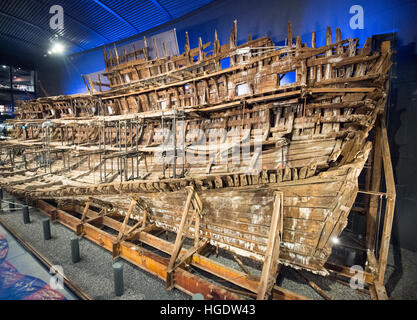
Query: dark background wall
<point x="266" y="17"/>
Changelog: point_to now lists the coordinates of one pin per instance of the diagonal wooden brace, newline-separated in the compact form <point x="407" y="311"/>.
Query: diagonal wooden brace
<point x="188" y="254"/>
<point x="193" y="199"/>
<point x="270" y="266"/>
<point x="87" y="206"/>
<point x="98" y="219"/>
<point x="79" y="227"/>
<point x="141" y="224"/>
<point x="123" y="227"/>
<point x="116" y="244"/>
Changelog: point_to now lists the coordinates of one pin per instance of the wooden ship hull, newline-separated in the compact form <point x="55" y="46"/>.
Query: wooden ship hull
<point x="131" y="148"/>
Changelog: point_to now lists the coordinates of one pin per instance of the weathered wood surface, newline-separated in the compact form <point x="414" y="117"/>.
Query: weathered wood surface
<point x="305" y="138"/>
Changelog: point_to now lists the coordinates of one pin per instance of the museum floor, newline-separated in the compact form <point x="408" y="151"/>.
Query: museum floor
<point x="94" y="274"/>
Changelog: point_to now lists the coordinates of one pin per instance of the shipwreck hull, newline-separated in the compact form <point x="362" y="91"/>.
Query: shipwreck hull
<point x="111" y="147"/>
<point x="239" y="219"/>
<point x="315" y="210"/>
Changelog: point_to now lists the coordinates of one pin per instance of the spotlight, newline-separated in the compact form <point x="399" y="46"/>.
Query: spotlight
<point x="3" y="66"/>
<point x="335" y="240"/>
<point x="57" y="48"/>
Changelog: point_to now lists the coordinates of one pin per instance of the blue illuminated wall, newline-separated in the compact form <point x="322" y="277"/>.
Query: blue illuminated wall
<point x="260" y="17"/>
<point x="62" y="75"/>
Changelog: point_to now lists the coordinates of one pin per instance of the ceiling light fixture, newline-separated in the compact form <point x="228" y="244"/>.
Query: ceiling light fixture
<point x="57" y="48"/>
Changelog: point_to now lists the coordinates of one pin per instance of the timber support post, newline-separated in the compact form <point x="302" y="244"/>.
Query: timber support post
<point x="314" y="132"/>
<point x="271" y="264"/>
<point x="375" y="183"/>
<point x="79" y="227"/>
<point x="376" y="263"/>
<point x="174" y="262"/>
<point x="390" y="205"/>
<point x="116" y="243"/>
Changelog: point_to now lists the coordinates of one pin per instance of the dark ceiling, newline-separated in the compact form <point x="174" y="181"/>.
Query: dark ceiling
<point x="24" y="24"/>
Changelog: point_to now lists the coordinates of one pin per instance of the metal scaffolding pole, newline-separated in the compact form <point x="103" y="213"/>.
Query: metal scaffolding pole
<point x="125" y="157"/>
<point x="163" y="143"/>
<point x="119" y="160"/>
<point x="131" y="147"/>
<point x="174" y="128"/>
<point x="183" y="143"/>
<point x="104" y="150"/>
<point x="99" y="151"/>
<point x="137" y="142"/>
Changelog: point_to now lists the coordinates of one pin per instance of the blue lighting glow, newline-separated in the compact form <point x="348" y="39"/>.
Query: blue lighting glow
<point x="258" y="18"/>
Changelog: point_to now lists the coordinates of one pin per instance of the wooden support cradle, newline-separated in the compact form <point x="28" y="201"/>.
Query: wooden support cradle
<point x="271" y="264"/>
<point x="174" y="262"/>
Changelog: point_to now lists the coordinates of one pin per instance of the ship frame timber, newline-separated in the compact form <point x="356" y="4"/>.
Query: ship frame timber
<point x="128" y="243"/>
<point x="284" y="202"/>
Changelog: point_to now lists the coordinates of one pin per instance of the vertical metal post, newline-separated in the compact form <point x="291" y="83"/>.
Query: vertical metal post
<point x="118" y="279"/>
<point x="25" y="212"/>
<point x="137" y="133"/>
<point x="125" y="124"/>
<point x="46" y="227"/>
<point x="125" y="167"/>
<point x="118" y="165"/>
<point x="137" y="142"/>
<point x="163" y="144"/>
<point x="99" y="152"/>
<point x="104" y="145"/>
<point x="183" y="142"/>
<point x="174" y="127"/>
<point x="119" y="160"/>
<point x="131" y="146"/>
<point x="125" y="157"/>
<point x="75" y="250"/>
<point x="131" y="134"/>
<point x="49" y="150"/>
<point x="44" y="160"/>
<point x="111" y="138"/>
